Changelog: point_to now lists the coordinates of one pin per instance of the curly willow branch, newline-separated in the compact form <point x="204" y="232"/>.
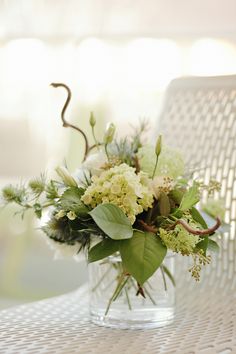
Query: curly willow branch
<point x="67" y="124"/>
<point x="186" y="226"/>
<point x="196" y="232"/>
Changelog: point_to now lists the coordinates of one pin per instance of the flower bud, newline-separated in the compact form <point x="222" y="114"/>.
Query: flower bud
<point x="158" y="146"/>
<point x="66" y="177"/>
<point x="60" y="214"/>
<point x="109" y="134"/>
<point x="92" y="120"/>
<point x="71" y="215"/>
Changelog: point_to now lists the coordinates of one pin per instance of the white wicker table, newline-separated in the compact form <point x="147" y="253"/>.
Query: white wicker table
<point x="61" y="325"/>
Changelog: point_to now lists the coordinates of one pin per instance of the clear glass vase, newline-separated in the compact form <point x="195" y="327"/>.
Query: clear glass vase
<point x="133" y="307"/>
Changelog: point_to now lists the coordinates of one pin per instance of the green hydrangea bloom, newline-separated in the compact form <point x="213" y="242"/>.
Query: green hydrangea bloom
<point x="120" y="185"/>
<point x="215" y="208"/>
<point x="170" y="161"/>
<point x="179" y="240"/>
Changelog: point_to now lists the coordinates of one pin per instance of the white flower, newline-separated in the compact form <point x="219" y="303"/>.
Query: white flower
<point x="95" y="162"/>
<point x="161" y="184"/>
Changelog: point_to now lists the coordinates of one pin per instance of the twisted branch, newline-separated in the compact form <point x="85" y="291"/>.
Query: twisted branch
<point x="186" y="226"/>
<point x="67" y="124"/>
<point x="197" y="232"/>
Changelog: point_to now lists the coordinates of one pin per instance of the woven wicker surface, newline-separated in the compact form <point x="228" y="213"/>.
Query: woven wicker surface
<point x="61" y="325"/>
<point x="199" y="116"/>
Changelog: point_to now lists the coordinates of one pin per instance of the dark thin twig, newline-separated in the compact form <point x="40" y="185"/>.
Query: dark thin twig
<point x="67" y="124"/>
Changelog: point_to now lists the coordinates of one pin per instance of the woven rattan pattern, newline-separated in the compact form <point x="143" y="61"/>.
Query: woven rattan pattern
<point x="198" y="116"/>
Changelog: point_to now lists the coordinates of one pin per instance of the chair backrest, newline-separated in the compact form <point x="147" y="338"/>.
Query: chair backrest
<point x="199" y="117"/>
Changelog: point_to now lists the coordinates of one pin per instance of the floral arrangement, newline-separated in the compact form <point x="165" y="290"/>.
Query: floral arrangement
<point x="127" y="198"/>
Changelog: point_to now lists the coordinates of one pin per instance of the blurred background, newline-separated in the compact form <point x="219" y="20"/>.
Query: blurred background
<point x="118" y="58"/>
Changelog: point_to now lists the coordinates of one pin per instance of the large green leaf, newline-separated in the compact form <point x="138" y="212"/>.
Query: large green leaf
<point x="112" y="221"/>
<point x="103" y="249"/>
<point x="71" y="200"/>
<point x="213" y="246"/>
<point x="142" y="255"/>
<point x="190" y="198"/>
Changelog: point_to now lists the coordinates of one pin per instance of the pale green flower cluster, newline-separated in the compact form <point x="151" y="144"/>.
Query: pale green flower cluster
<point x="215" y="208"/>
<point x="170" y="161"/>
<point x="179" y="240"/>
<point x="120" y="185"/>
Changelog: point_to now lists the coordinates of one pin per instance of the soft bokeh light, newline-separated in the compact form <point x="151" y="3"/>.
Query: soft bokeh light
<point x="212" y="57"/>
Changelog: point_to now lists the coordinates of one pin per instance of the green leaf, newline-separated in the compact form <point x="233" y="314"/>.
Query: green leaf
<point x="112" y="221"/>
<point x="198" y="217"/>
<point x="176" y="195"/>
<point x="213" y="246"/>
<point x="142" y="255"/>
<point x="190" y="198"/>
<point x="203" y="244"/>
<point x="177" y="213"/>
<point x="70" y="201"/>
<point x="103" y="249"/>
<point x="164" y="204"/>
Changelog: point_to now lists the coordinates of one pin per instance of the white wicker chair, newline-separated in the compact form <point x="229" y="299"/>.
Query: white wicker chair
<point x="199" y="116"/>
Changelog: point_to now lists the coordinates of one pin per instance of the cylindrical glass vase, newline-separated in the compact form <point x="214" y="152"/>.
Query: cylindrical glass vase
<point x="131" y="306"/>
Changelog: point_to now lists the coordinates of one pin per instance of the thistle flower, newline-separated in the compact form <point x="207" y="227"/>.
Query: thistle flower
<point x="13" y="194"/>
<point x="37" y="185"/>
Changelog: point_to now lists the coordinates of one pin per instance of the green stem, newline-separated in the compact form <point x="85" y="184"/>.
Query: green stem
<point x="95" y="139"/>
<point x="154" y="171"/>
<point x="101" y="279"/>
<point x="164" y="278"/>
<point x="128" y="299"/>
<point x="149" y="216"/>
<point x="47" y="204"/>
<point x="149" y="295"/>
<point x="116" y="293"/>
<point x="120" y="288"/>
<point x="107" y="153"/>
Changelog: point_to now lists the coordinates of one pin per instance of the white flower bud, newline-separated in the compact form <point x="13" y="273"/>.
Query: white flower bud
<point x="109" y="134"/>
<point x="66" y="177"/>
